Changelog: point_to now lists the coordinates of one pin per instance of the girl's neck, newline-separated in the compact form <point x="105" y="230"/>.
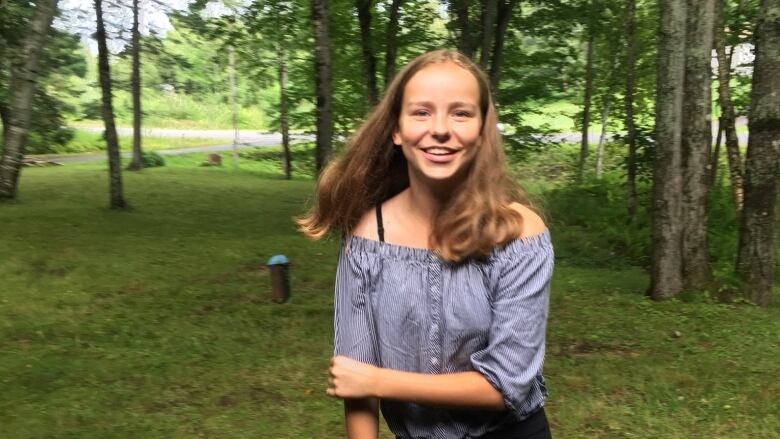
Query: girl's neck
<point x="424" y="200"/>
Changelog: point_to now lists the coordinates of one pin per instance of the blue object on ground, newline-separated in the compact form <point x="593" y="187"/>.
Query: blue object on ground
<point x="278" y="260"/>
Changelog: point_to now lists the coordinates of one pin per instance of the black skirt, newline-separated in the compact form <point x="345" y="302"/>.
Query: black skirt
<point x="532" y="427"/>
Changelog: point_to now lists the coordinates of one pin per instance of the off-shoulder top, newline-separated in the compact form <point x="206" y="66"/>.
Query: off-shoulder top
<point x="405" y="308"/>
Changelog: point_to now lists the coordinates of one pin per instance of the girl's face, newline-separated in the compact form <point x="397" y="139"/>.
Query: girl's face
<point x="440" y="121"/>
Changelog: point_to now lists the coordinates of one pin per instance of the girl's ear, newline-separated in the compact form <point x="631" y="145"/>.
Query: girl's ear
<point x="396" y="136"/>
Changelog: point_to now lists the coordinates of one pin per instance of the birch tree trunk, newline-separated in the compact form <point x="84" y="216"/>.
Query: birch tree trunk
<point x="757" y="233"/>
<point x="628" y="102"/>
<point x="697" y="143"/>
<point x="666" y="268"/>
<point x="24" y="82"/>
<point x="728" y="116"/>
<point x="117" y="200"/>
<point x="603" y="136"/>
<point x="369" y="60"/>
<point x="322" y="78"/>
<point x="135" y="81"/>
<point x="586" y="105"/>
<point x="713" y="174"/>
<point x="233" y="102"/>
<point x="392" y="41"/>
<point x="287" y="160"/>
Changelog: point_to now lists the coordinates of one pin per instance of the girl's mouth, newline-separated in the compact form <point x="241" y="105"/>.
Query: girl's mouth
<point x="440" y="154"/>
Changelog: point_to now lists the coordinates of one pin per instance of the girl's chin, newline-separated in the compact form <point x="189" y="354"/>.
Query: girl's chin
<point x="439" y="173"/>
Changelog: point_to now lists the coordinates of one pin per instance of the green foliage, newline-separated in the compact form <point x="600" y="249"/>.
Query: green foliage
<point x="62" y="62"/>
<point x="302" y="160"/>
<point x="153" y="159"/>
<point x="591" y="219"/>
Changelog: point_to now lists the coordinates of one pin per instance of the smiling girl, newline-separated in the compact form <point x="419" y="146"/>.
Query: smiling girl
<point x="443" y="280"/>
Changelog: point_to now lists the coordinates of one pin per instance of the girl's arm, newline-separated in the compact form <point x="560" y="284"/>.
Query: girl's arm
<point x="353" y="379"/>
<point x="361" y="418"/>
<point x="462" y="389"/>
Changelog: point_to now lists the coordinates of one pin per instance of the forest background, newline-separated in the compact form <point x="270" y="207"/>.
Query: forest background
<point x="627" y="121"/>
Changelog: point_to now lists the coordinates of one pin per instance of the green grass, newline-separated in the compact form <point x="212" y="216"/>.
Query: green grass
<point x="157" y="322"/>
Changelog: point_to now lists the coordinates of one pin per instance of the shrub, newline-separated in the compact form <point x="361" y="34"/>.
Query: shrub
<point x="153" y="159"/>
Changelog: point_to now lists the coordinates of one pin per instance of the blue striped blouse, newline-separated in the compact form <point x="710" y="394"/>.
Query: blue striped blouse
<point x="407" y="309"/>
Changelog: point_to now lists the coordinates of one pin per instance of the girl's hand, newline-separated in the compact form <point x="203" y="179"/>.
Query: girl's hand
<point x="349" y="378"/>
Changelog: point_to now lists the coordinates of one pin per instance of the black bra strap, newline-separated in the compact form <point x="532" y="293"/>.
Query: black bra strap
<point x="379" y="227"/>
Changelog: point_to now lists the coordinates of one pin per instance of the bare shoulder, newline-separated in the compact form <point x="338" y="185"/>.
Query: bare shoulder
<point x="366" y="227"/>
<point x="533" y="224"/>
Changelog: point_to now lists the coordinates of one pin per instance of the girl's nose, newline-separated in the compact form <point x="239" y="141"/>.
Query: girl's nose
<point x="440" y="129"/>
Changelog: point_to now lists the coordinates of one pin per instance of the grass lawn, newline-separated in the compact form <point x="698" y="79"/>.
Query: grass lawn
<point x="157" y="322"/>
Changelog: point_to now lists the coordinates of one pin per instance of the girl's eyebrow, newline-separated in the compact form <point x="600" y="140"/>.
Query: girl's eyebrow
<point x="431" y="104"/>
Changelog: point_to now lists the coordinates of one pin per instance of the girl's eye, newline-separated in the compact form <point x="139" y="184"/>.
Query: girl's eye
<point x="462" y="114"/>
<point x="420" y="113"/>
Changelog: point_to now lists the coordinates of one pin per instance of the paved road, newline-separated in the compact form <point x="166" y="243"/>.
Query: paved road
<point x="253" y="139"/>
<point x="246" y="140"/>
<point x="243" y="135"/>
<point x="594" y="138"/>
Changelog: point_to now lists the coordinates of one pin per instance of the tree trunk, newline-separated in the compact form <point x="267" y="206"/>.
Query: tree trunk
<point x="757" y="233"/>
<point x="504" y="15"/>
<point x="697" y="143"/>
<point x="286" y="160"/>
<point x="628" y="102"/>
<point x="4" y="120"/>
<point x="728" y="116"/>
<point x="117" y="200"/>
<point x="322" y="77"/>
<point x="603" y="136"/>
<point x="666" y="271"/>
<point x="586" y="105"/>
<point x="392" y="41"/>
<point x="135" y="81"/>
<point x="713" y="174"/>
<point x="369" y="60"/>
<point x="488" y="19"/>
<point x="24" y="81"/>
<point x="233" y="101"/>
<point x="465" y="45"/>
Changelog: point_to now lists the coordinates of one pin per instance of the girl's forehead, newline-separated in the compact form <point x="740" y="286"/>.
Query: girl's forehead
<point x="443" y="79"/>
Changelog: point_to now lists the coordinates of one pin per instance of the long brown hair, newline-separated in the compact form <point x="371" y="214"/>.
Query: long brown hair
<point x="477" y="218"/>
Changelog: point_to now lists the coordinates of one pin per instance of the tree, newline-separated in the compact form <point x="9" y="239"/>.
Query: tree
<point x="486" y="39"/>
<point x="696" y="144"/>
<point x="465" y="43"/>
<point x="391" y="46"/>
<point x="666" y="272"/>
<point x="495" y="16"/>
<point x="369" y="59"/>
<point x="23" y="85"/>
<point x="504" y="15"/>
<point x="117" y="200"/>
<point x="590" y="32"/>
<point x="757" y="232"/>
<point x="322" y="81"/>
<point x="628" y="103"/>
<point x="135" y="84"/>
<point x="727" y="121"/>
<point x="605" y="112"/>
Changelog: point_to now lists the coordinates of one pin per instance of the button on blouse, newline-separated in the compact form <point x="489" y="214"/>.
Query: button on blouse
<point x="405" y="308"/>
